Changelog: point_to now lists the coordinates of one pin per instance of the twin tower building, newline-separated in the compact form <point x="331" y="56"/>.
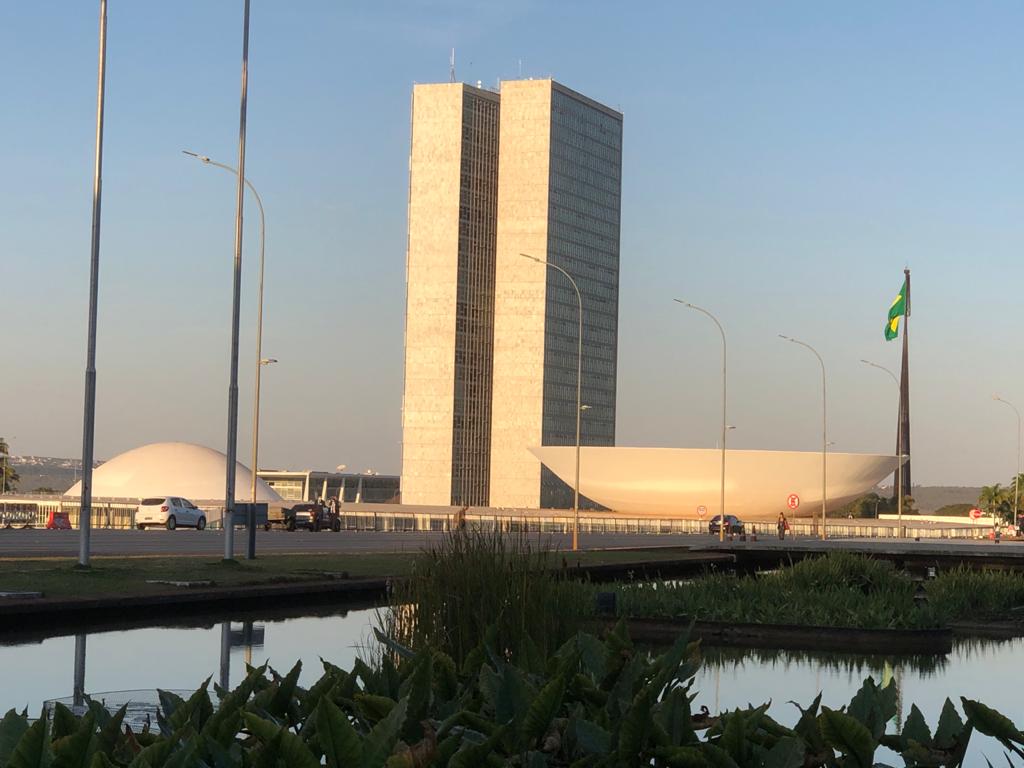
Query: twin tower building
<point x="491" y="336"/>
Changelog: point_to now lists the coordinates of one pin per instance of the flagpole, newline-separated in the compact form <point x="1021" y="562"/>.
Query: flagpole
<point x="903" y="433"/>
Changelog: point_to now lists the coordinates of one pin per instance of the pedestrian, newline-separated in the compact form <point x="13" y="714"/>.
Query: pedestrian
<point x="783" y="525"/>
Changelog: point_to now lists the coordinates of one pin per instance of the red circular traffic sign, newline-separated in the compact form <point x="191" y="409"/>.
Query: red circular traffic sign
<point x="793" y="501"/>
<point x="702" y="510"/>
<point x="975" y="513"/>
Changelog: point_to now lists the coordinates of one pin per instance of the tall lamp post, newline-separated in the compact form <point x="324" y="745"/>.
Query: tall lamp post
<point x="260" y="360"/>
<point x="89" y="416"/>
<point x="579" y="403"/>
<point x="725" y="426"/>
<point x="824" y="428"/>
<point x="899" y="450"/>
<point x="1016" y="475"/>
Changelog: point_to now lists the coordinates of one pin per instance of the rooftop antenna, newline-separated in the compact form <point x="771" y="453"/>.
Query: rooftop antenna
<point x="451" y="67"/>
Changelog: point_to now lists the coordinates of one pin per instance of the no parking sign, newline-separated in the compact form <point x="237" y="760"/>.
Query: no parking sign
<point x="793" y="501"/>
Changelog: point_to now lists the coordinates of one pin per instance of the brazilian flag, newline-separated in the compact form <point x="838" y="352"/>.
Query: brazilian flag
<point x="896" y="311"/>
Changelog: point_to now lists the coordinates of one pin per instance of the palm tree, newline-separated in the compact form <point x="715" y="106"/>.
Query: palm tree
<point x="996" y="500"/>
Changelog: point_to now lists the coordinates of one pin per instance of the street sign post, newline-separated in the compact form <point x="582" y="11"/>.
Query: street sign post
<point x="975" y="513"/>
<point x="702" y="510"/>
<point x="793" y="501"/>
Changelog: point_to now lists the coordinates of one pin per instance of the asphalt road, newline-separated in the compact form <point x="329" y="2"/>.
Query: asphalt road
<point x="43" y="543"/>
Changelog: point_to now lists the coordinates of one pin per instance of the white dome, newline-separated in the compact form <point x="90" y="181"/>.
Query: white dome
<point x="194" y="472"/>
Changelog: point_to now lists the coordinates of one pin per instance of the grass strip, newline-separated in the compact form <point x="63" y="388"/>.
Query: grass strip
<point x="128" y="576"/>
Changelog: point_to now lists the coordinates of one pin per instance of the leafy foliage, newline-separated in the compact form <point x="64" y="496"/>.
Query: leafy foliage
<point x="594" y="704"/>
<point x="475" y="581"/>
<point x="840" y="589"/>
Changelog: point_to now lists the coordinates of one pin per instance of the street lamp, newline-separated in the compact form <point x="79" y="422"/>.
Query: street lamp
<point x="260" y="361"/>
<point x="1017" y="474"/>
<point x="899" y="450"/>
<point x="89" y="410"/>
<point x="579" y="403"/>
<point x="824" y="428"/>
<point x="725" y="427"/>
<point x="3" y="472"/>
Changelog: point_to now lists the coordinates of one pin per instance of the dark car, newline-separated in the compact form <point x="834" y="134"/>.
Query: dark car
<point x="732" y="524"/>
<point x="312" y="517"/>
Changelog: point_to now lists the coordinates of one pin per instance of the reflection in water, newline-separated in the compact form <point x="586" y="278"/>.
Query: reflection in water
<point x="843" y="662"/>
<point x="133" y="663"/>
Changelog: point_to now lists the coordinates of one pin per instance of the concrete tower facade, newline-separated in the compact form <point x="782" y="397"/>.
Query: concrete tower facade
<point x="453" y="178"/>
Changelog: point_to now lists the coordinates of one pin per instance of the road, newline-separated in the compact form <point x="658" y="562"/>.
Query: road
<point x="43" y="543"/>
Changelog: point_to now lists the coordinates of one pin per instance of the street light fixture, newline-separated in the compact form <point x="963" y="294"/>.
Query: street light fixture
<point x="579" y="403"/>
<point x="1016" y="475"/>
<point x="824" y="428"/>
<point x="3" y="472"/>
<point x="725" y="426"/>
<point x="899" y="450"/>
<point x="260" y="360"/>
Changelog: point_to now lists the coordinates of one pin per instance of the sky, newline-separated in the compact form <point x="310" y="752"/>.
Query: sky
<point x="782" y="163"/>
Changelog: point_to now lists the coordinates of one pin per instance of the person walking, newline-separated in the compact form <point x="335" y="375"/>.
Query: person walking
<point x="782" y="525"/>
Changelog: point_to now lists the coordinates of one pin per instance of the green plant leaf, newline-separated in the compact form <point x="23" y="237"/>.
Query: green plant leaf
<point x="717" y="757"/>
<point x="63" y="723"/>
<point x="635" y="727"/>
<point x="511" y="699"/>
<point x="223" y="724"/>
<point x="873" y="707"/>
<point x="393" y="645"/>
<point x="788" y="752"/>
<point x="847" y="735"/>
<point x="278" y="700"/>
<point x="373" y="708"/>
<point x="12" y="728"/>
<point x="418" y="689"/>
<point x="169" y="704"/>
<point x="807" y="727"/>
<point x="590" y="738"/>
<point x="950" y="727"/>
<point x="475" y="755"/>
<point x="382" y="738"/>
<point x="197" y="709"/>
<point x="184" y="756"/>
<point x="341" y="744"/>
<point x="110" y="733"/>
<point x="72" y="751"/>
<point x="286" y="745"/>
<point x="988" y="721"/>
<point x="33" y="748"/>
<point x="542" y="711"/>
<point x="916" y="728"/>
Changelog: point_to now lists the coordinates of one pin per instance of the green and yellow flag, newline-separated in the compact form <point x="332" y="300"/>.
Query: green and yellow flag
<point x="896" y="311"/>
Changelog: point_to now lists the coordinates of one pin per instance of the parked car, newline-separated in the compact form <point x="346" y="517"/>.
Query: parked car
<point x="732" y="524"/>
<point x="169" y="512"/>
<point x="312" y="517"/>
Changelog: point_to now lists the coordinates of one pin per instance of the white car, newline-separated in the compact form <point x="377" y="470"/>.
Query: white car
<point x="169" y="512"/>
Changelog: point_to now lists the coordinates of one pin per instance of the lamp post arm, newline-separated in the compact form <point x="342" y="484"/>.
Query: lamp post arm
<point x="579" y="394"/>
<point x="721" y="331"/>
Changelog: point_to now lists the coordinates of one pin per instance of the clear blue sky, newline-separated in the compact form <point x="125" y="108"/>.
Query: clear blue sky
<point x="782" y="163"/>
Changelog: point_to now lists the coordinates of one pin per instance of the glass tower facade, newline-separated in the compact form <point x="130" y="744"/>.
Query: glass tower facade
<point x="584" y="197"/>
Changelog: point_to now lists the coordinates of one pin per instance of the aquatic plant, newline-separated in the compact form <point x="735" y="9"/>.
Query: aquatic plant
<point x="595" y="703"/>
<point x="837" y="590"/>
<point x="473" y="580"/>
